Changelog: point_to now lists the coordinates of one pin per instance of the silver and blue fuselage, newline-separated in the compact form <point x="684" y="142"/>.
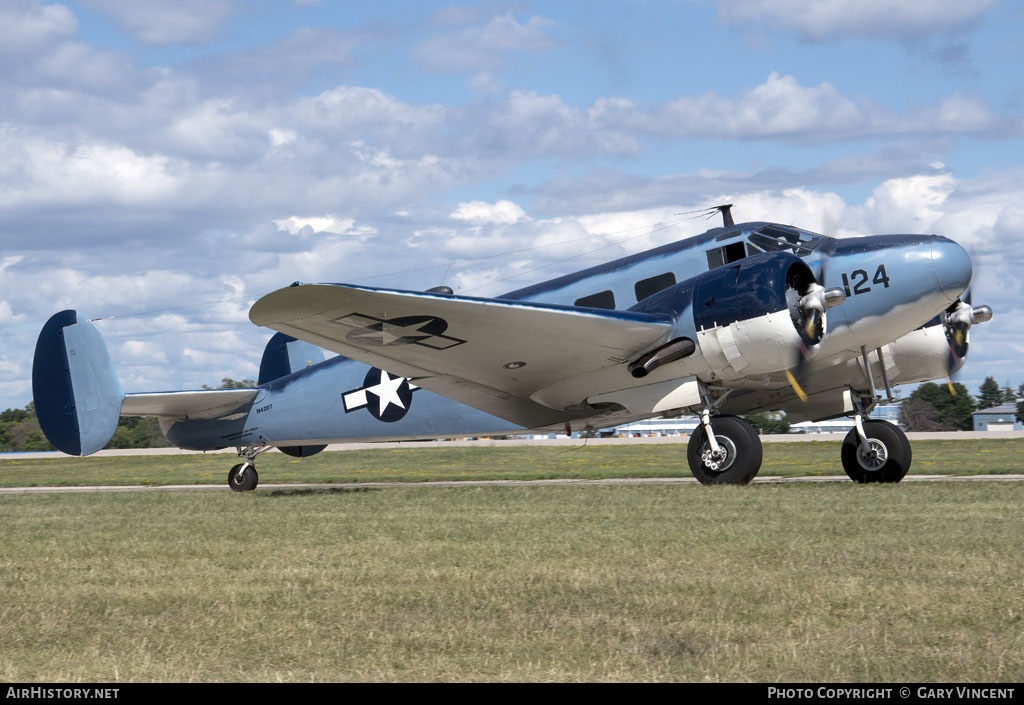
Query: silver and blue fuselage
<point x="893" y="284"/>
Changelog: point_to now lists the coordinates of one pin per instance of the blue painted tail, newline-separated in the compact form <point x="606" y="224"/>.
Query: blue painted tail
<point x="77" y="395"/>
<point x="285" y="355"/>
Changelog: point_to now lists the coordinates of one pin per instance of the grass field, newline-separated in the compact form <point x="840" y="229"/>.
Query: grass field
<point x="614" y="583"/>
<point x="961" y="457"/>
<point x="804" y="582"/>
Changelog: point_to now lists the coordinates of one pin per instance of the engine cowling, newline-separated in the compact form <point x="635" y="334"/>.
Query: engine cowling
<point x="755" y="316"/>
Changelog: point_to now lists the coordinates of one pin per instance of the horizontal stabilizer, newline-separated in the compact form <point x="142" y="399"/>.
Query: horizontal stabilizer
<point x="198" y="404"/>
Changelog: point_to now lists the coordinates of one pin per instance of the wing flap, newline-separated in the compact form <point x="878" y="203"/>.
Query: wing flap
<point x="502" y="348"/>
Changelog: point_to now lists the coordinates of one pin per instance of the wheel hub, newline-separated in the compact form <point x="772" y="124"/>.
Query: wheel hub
<point x="721" y="461"/>
<point x="872" y="455"/>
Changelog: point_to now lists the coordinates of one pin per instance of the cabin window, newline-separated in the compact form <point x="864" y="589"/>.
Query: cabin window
<point x="604" y="299"/>
<point x="733" y="252"/>
<point x="774" y="238"/>
<point x="651" y="286"/>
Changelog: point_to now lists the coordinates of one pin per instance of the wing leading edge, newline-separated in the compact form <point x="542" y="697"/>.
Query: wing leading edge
<point x="492" y="354"/>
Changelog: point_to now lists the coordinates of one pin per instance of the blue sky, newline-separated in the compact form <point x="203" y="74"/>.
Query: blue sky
<point x="163" y="153"/>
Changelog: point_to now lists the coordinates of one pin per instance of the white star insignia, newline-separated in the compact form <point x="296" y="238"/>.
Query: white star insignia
<point x="386" y="391"/>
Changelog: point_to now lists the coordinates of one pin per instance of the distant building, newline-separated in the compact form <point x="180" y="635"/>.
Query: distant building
<point x="681" y="426"/>
<point x="997" y="418"/>
<point x="886" y="412"/>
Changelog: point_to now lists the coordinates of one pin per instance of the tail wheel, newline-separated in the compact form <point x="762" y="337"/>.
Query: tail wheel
<point x="884" y="458"/>
<point x="243" y="477"/>
<point x="741" y="452"/>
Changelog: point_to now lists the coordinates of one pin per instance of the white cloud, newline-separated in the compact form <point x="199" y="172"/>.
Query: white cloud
<point x="217" y="129"/>
<point x="168" y="21"/>
<point x="86" y="70"/>
<point x="779" y="106"/>
<point x="9" y="368"/>
<point x="281" y="138"/>
<point x="26" y="25"/>
<point x="480" y="212"/>
<point x="783" y="108"/>
<point x="143" y="351"/>
<point x="908" y="205"/>
<point x="39" y="170"/>
<point x="821" y="20"/>
<point x="530" y="124"/>
<point x="7" y="315"/>
<point x="344" y="109"/>
<point x="329" y="224"/>
<point x="504" y="33"/>
<point x="474" y="48"/>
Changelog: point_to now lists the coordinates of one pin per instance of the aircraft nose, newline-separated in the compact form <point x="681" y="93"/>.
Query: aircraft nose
<point x="952" y="266"/>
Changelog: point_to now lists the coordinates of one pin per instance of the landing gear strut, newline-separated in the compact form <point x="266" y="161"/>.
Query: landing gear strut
<point x="730" y="455"/>
<point x="876" y="451"/>
<point x="243" y="477"/>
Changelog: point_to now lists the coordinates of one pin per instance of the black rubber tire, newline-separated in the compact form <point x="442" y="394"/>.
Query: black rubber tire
<point x="745" y="454"/>
<point x="244" y="482"/>
<point x="897" y="449"/>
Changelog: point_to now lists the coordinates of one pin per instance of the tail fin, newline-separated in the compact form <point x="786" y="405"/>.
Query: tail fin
<point x="285" y="355"/>
<point x="77" y="395"/>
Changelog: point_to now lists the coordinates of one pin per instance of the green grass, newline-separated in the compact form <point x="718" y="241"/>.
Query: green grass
<point x="960" y="457"/>
<point x="614" y="583"/>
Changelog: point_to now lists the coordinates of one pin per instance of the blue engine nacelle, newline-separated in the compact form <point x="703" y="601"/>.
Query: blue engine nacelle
<point x="744" y="318"/>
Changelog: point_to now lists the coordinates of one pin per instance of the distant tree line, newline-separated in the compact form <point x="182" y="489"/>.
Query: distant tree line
<point x="769" y="422"/>
<point x="945" y="407"/>
<point x="19" y="431"/>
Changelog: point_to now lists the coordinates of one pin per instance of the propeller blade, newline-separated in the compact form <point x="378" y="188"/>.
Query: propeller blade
<point x="808" y="311"/>
<point x="796" y="386"/>
<point x="814" y="324"/>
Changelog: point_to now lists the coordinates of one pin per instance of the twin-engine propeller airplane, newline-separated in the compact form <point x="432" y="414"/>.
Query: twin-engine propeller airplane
<point x="744" y="318"/>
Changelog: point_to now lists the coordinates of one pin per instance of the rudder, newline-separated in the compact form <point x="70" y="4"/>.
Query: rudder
<point x="74" y="386"/>
<point x="285" y="355"/>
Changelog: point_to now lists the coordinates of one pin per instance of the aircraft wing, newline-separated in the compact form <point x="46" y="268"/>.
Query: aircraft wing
<point x="199" y="404"/>
<point x="492" y="354"/>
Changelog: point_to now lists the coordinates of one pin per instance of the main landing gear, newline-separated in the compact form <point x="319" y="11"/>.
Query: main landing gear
<point x="724" y="450"/>
<point x="876" y="451"/>
<point x="243" y="477"/>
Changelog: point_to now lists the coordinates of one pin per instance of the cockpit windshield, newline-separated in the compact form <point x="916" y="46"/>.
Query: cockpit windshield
<point x="775" y="238"/>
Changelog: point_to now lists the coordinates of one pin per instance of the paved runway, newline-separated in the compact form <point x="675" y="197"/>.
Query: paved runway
<point x="489" y="483"/>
